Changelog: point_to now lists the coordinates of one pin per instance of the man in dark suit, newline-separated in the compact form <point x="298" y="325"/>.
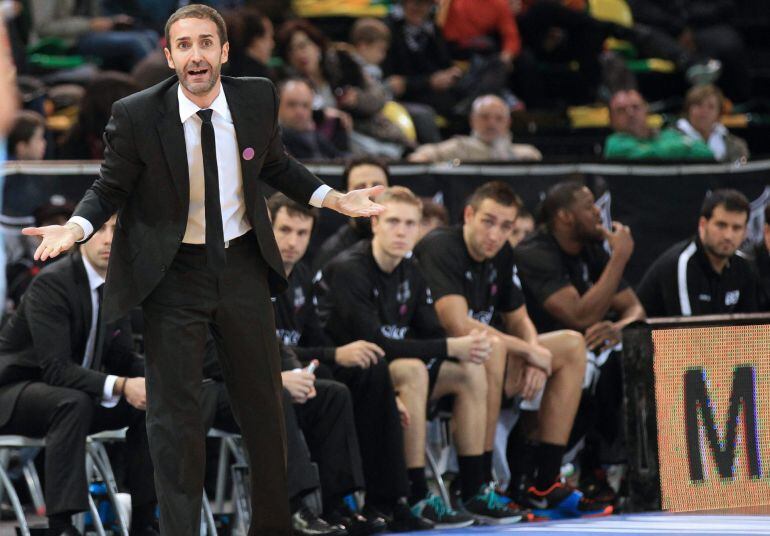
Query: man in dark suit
<point x="184" y="166"/>
<point x="65" y="373"/>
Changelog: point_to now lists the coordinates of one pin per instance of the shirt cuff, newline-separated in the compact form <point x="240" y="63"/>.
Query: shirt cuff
<point x="110" y="400"/>
<point x="317" y="199"/>
<point x="84" y="224"/>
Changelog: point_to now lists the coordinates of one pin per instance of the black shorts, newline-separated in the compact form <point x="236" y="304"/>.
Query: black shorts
<point x="434" y="366"/>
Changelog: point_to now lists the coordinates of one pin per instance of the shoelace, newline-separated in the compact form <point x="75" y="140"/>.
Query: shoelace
<point x="435" y="502"/>
<point x="493" y="499"/>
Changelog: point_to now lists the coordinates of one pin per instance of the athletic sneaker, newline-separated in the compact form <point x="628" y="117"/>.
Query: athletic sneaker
<point x="432" y="508"/>
<point x="596" y="488"/>
<point x="563" y="502"/>
<point x="487" y="508"/>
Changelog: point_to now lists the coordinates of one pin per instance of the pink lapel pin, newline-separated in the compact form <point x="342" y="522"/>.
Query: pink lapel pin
<point x="248" y="153"/>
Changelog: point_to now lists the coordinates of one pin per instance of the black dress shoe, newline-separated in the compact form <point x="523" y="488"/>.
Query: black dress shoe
<point x="306" y="523"/>
<point x="357" y="524"/>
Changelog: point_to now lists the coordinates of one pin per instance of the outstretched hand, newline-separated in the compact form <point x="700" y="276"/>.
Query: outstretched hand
<point x="56" y="239"/>
<point x="356" y="203"/>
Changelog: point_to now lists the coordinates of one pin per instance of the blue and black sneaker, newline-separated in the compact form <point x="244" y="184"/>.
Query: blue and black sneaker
<point x="432" y="507"/>
<point x="488" y="508"/>
<point x="563" y="502"/>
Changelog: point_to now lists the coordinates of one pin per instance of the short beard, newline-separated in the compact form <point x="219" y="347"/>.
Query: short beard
<point x="209" y="86"/>
<point x="585" y="236"/>
<point x="715" y="253"/>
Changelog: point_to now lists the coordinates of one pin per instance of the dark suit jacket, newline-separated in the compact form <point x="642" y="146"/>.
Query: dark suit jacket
<point x="46" y="337"/>
<point x="144" y="177"/>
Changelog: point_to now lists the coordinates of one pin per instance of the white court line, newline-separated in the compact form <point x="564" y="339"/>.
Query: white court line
<point x="642" y="524"/>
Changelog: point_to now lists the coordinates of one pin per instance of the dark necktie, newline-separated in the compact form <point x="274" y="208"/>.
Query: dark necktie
<point x="96" y="362"/>
<point x="215" y="236"/>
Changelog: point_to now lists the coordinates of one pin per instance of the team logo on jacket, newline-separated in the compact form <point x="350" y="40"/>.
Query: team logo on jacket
<point x="403" y="293"/>
<point x="485" y="317"/>
<point x="732" y="297"/>
<point x="394" y="332"/>
<point x="299" y="298"/>
<point x="289" y="337"/>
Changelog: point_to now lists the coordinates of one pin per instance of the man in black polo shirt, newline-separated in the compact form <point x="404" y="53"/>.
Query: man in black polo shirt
<point x="357" y="365"/>
<point x="361" y="172"/>
<point x="571" y="282"/>
<point x="375" y="291"/>
<point x="705" y="275"/>
<point x="475" y="285"/>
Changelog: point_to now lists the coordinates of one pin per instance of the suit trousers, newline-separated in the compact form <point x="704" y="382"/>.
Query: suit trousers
<point x="234" y="305"/>
<point x="379" y="431"/>
<point x="65" y="417"/>
<point x="301" y="476"/>
<point x="330" y="431"/>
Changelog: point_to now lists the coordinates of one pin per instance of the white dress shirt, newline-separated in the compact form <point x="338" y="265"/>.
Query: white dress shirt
<point x="94" y="281"/>
<point x="715" y="141"/>
<point x="234" y="220"/>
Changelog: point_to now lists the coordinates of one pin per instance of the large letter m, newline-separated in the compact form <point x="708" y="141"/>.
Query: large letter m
<point x="742" y="403"/>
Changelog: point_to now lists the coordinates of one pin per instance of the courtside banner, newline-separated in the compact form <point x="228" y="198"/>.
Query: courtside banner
<point x="712" y="395"/>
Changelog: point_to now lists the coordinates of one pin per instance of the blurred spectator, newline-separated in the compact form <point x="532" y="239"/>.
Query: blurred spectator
<point x="24" y="192"/>
<point x="116" y="40"/>
<point x="485" y="34"/>
<point x="26" y="140"/>
<point x="705" y="275"/>
<point x="8" y="105"/>
<point x="434" y="215"/>
<point x="57" y="211"/>
<point x="371" y="40"/>
<point x="522" y="227"/>
<point x="20" y="272"/>
<point x="703" y="26"/>
<point x="361" y="172"/>
<point x="251" y="43"/>
<point x="490" y="138"/>
<point x="634" y="138"/>
<point x="489" y="27"/>
<point x="418" y="65"/>
<point x="84" y="141"/>
<point x="341" y="86"/>
<point x="702" y="110"/>
<point x="298" y="130"/>
<point x="152" y="70"/>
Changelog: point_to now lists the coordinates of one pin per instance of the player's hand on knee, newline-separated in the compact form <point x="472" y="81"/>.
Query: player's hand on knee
<point x="474" y="347"/>
<point x="534" y="381"/>
<point x="602" y="335"/>
<point x="300" y="384"/>
<point x="358" y="354"/>
<point x="540" y="357"/>
<point x="135" y="392"/>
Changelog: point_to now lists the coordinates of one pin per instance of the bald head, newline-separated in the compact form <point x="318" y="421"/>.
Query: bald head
<point x="296" y="108"/>
<point x="490" y="118"/>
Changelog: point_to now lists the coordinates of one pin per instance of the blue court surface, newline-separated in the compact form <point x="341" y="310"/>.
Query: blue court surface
<point x="662" y="524"/>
